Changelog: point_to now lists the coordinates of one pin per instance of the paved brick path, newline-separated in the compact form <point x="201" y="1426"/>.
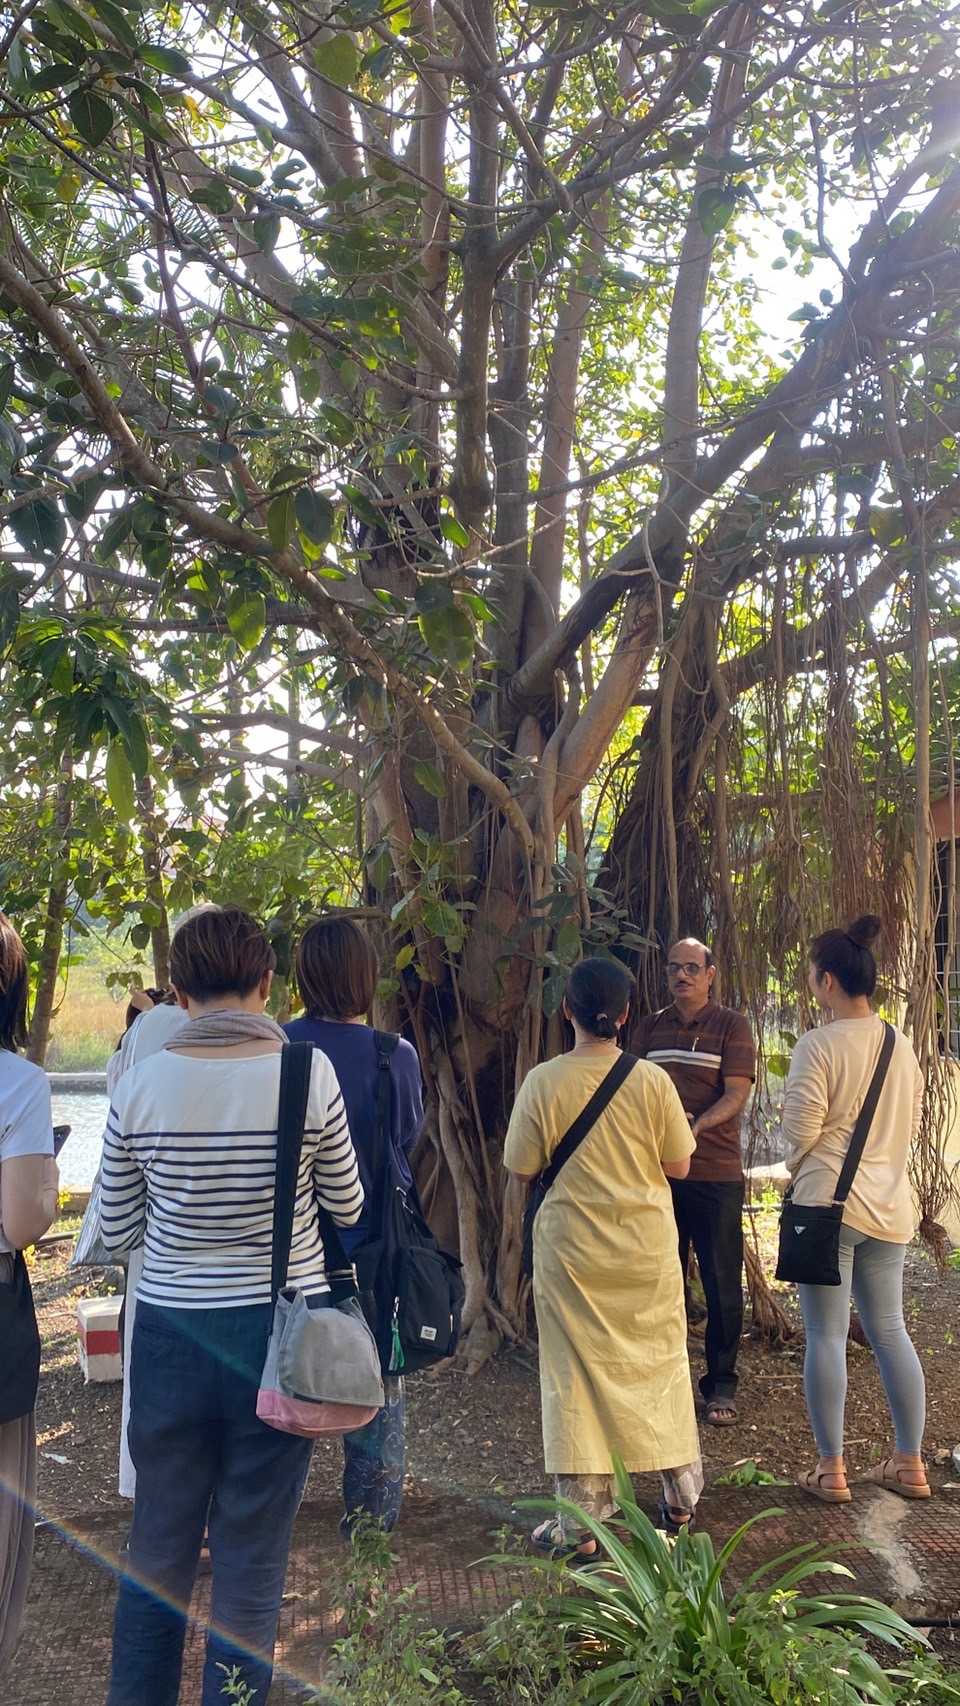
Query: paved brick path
<point x="907" y="1554"/>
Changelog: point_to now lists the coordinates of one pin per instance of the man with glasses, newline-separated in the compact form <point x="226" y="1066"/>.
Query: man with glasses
<point x="709" y="1053"/>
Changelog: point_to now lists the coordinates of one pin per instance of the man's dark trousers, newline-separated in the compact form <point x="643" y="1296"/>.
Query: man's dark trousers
<point x="709" y="1216"/>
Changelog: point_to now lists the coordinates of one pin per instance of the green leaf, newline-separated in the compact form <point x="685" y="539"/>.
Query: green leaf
<point x="338" y="59"/>
<point x="116" y="23"/>
<point x="454" y="530"/>
<point x="115" y="532"/>
<point x="377" y="63"/>
<point x="218" y="451"/>
<point x="433" y="595"/>
<point x="405" y="957"/>
<point x="166" y="59"/>
<point x="55" y="76"/>
<point x="449" y="635"/>
<point x="567" y="944"/>
<point x="140" y="936"/>
<point x="216" y="195"/>
<point x="39" y="527"/>
<point x="442" y="919"/>
<point x="315" y="515"/>
<point x="861" y="485"/>
<point x="92" y="117"/>
<point x="429" y="777"/>
<point x="715" y="209"/>
<point x="136" y="744"/>
<point x="246" y="616"/>
<point x="9" y="617"/>
<point x="266" y="230"/>
<point x="119" y="776"/>
<point x="280" y="520"/>
<point x="223" y="403"/>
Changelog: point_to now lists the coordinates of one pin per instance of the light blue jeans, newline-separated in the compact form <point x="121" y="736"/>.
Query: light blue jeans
<point x="873" y="1271"/>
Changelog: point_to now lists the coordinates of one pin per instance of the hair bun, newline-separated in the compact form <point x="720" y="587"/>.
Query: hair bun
<point x="864" y="930"/>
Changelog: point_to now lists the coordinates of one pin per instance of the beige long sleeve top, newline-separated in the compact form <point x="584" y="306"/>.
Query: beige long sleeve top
<point x="829" y="1077"/>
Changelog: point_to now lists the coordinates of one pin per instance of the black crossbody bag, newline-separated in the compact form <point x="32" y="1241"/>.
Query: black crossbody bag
<point x="412" y="1292"/>
<point x="810" y="1234"/>
<point x="568" y="1144"/>
<point x="19" y="1343"/>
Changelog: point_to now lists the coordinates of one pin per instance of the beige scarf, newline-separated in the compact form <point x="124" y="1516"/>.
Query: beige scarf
<point x="224" y="1028"/>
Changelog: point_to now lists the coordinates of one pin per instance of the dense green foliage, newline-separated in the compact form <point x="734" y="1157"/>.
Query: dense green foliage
<point x="492" y="467"/>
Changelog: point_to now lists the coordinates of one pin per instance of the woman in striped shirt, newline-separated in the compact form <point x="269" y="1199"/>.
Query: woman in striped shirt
<point x="188" y="1170"/>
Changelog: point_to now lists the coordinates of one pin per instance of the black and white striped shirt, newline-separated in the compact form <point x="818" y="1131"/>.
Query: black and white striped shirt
<point x="189" y="1163"/>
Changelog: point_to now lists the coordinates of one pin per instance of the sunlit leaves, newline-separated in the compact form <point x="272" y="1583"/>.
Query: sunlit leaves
<point x="715" y="209"/>
<point x="166" y="59"/>
<point x="337" y="59"/>
<point x="119" y="779"/>
<point x="246" y="616"/>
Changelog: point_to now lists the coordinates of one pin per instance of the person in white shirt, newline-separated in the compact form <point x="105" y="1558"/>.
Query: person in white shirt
<point x="146" y="1034"/>
<point x="29" y="1181"/>
<point x="188" y="1170"/>
<point x="830" y="1073"/>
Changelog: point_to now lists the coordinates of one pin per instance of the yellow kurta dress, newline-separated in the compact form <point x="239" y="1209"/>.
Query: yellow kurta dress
<point x="614" y="1372"/>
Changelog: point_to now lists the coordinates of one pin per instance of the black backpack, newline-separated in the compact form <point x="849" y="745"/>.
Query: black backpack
<point x="411" y="1290"/>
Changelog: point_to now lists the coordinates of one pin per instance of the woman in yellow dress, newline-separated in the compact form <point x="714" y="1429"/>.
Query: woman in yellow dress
<point x="608" y="1290"/>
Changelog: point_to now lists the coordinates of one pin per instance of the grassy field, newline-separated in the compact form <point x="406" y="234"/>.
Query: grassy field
<point x="87" y="1027"/>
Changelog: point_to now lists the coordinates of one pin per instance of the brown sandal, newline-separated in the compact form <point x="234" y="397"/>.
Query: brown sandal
<point x="813" y="1483"/>
<point x="890" y="1475"/>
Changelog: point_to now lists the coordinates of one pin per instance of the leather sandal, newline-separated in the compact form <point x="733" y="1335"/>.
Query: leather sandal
<point x="890" y="1475"/>
<point x="548" y="1537"/>
<point x="675" y="1521"/>
<point x="813" y="1483"/>
<point x="721" y="1412"/>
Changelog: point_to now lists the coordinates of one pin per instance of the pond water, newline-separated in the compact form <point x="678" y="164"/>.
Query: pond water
<point x="86" y="1112"/>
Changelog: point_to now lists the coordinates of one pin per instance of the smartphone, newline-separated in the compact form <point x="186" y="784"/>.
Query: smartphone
<point x="60" y="1135"/>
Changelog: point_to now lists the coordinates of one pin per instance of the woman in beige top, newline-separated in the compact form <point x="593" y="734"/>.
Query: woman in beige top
<point x="830" y="1074"/>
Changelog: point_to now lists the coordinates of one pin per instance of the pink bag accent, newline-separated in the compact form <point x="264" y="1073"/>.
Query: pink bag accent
<point x="311" y="1421"/>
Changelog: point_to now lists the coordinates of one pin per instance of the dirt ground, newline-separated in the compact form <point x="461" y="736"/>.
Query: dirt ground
<point x="478" y="1436"/>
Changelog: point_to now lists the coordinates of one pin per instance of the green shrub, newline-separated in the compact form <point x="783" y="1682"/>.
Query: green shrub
<point x="652" y="1623"/>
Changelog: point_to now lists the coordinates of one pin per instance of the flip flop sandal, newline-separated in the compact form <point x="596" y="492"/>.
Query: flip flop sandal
<point x="548" y="1538"/>
<point x="812" y="1483"/>
<point x="888" y="1475"/>
<point x="669" y="1519"/>
<point x="721" y="1412"/>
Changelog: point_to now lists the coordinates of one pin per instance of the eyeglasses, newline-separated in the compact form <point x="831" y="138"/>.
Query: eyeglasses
<point x="691" y="968"/>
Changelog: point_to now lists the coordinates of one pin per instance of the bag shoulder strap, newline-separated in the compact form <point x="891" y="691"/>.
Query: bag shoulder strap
<point x="296" y="1067"/>
<point x="865" y="1117"/>
<point x="571" y="1140"/>
<point x="380" y="1152"/>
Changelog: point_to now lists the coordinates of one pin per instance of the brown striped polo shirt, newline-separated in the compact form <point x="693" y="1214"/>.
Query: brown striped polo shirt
<point x="698" y="1054"/>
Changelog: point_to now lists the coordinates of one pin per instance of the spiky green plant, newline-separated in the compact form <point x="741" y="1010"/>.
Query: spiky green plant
<point x="652" y="1622"/>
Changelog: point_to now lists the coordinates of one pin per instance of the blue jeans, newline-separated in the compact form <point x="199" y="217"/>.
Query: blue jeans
<point x="872" y="1270"/>
<point x="203" y="1459"/>
<point x="373" y="1463"/>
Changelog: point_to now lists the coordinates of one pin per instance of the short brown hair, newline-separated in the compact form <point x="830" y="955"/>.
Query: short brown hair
<point x="337" y="970"/>
<point x="221" y="950"/>
<point x="14" y="987"/>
